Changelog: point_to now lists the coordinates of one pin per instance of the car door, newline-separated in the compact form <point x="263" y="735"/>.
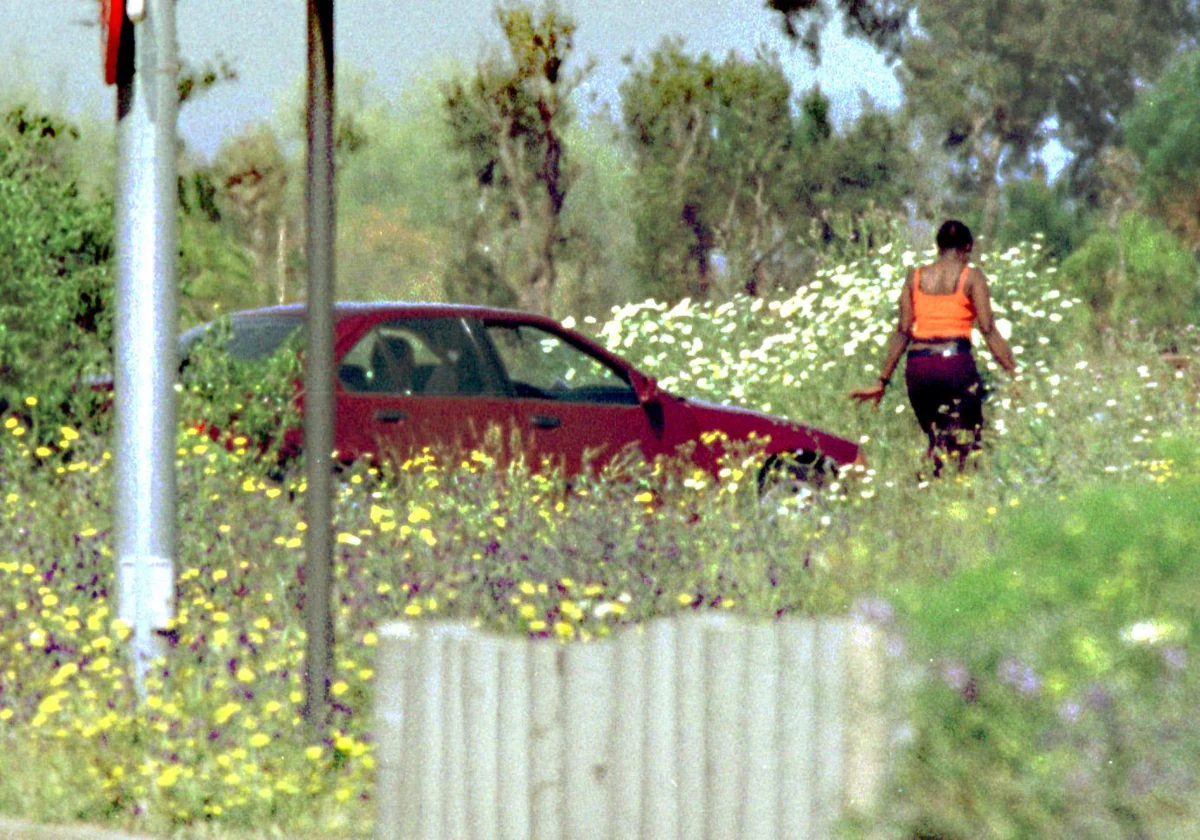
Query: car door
<point x="570" y="405"/>
<point x="412" y="383"/>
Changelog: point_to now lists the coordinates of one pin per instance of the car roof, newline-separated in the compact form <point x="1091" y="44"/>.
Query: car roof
<point x="411" y="308"/>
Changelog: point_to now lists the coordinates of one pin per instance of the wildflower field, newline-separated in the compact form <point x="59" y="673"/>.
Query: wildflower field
<point x="1040" y="606"/>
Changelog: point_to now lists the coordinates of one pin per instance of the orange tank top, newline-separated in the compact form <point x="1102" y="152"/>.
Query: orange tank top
<point x="942" y="316"/>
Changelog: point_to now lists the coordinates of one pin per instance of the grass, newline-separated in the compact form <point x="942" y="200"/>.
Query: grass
<point x="218" y="749"/>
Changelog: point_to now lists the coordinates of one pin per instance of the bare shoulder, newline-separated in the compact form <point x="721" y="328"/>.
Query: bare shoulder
<point x="976" y="281"/>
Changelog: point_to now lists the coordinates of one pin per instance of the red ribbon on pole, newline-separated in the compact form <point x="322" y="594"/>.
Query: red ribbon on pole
<point x="112" y="22"/>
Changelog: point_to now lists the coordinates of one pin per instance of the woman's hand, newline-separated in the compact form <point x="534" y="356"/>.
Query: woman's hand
<point x="873" y="394"/>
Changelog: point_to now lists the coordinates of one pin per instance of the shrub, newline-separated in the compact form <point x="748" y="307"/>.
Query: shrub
<point x="55" y="281"/>
<point x="1140" y="272"/>
<point x="1057" y="701"/>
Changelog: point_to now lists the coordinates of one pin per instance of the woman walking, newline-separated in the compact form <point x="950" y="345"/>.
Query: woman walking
<point x="939" y="304"/>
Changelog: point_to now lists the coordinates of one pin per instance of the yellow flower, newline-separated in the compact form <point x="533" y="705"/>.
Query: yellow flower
<point x="537" y="626"/>
<point x="338" y="688"/>
<point x="686" y="599"/>
<point x="226" y="712"/>
<point x="31" y="401"/>
<point x="220" y="574"/>
<point x="245" y="674"/>
<point x="52" y="703"/>
<point x="412" y="609"/>
<point x="564" y="629"/>
<point x="419" y="514"/>
<point x="644" y="497"/>
<point x="348" y="539"/>
<point x="64" y="673"/>
<point x="313" y="753"/>
<point x="259" y="740"/>
<point x="370" y="640"/>
<point x="168" y="777"/>
<point x="220" y="617"/>
<point x="527" y="588"/>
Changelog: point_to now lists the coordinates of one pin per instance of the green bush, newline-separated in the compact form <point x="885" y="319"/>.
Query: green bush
<point x="1139" y="273"/>
<point x="55" y="256"/>
<point x="1033" y="208"/>
<point x="1058" y="699"/>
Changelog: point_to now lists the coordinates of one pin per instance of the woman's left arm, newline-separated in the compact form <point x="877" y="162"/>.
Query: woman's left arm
<point x="981" y="298"/>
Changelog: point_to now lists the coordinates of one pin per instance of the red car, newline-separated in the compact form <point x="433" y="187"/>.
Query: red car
<point x="411" y="375"/>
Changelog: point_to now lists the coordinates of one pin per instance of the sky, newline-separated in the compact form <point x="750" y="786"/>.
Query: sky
<point x="52" y="49"/>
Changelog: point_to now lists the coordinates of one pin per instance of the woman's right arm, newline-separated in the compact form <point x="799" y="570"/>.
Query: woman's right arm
<point x="981" y="298"/>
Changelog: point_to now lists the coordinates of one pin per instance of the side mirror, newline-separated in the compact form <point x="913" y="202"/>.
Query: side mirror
<point x="647" y="389"/>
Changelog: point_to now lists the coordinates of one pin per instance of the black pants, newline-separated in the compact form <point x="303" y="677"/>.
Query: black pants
<point x="947" y="396"/>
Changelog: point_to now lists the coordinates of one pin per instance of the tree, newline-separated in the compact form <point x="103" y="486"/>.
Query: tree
<point x="998" y="79"/>
<point x="216" y="272"/>
<point x="712" y="143"/>
<point x="56" y="245"/>
<point x="845" y="177"/>
<point x="1161" y="131"/>
<point x="251" y="177"/>
<point x="882" y="22"/>
<point x="398" y="200"/>
<point x="731" y="173"/>
<point x="508" y="122"/>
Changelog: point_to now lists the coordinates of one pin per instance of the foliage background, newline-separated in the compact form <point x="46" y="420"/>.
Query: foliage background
<point x="1039" y="607"/>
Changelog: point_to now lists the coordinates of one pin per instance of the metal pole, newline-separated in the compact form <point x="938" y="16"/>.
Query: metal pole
<point x="318" y="381"/>
<point x="146" y="327"/>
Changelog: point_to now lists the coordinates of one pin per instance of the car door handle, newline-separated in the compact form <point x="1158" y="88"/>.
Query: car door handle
<point x="545" y="421"/>
<point x="391" y="415"/>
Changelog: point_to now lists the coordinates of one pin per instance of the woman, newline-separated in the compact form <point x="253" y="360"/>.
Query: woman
<point x="939" y="304"/>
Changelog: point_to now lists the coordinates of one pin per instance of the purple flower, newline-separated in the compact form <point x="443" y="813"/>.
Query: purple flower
<point x="1020" y="676"/>
<point x="873" y="611"/>
<point x="1175" y="658"/>
<point x="1098" y="697"/>
<point x="1069" y="711"/>
<point x="955" y="675"/>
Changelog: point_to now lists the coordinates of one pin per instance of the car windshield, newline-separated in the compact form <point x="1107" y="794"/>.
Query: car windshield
<point x="255" y="337"/>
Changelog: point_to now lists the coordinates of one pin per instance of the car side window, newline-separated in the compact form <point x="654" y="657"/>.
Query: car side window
<point x="416" y="356"/>
<point x="543" y="365"/>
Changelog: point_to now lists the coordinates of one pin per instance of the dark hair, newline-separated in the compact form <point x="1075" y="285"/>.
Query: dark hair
<point x="954" y="236"/>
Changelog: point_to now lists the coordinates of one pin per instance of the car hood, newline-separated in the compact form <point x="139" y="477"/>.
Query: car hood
<point x="739" y="424"/>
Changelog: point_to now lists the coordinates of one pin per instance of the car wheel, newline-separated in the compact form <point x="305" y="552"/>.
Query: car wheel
<point x="791" y="481"/>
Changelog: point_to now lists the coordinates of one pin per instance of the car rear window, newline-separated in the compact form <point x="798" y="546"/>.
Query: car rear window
<point x="259" y="336"/>
<point x="255" y="337"/>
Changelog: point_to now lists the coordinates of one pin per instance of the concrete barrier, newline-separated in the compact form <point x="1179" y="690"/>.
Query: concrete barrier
<point x="703" y="726"/>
